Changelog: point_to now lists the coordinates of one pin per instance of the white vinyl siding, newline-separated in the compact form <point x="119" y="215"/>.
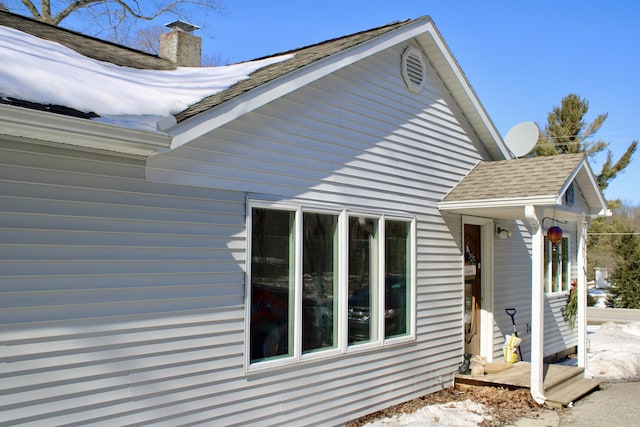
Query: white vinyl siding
<point x="512" y="276"/>
<point x="357" y="140"/>
<point x="123" y="284"/>
<point x="117" y="296"/>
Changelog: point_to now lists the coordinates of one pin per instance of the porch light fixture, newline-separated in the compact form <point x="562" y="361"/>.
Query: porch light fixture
<point x="503" y="233"/>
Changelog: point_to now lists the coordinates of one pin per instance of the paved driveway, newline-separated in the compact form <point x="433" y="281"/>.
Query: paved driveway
<point x="615" y="404"/>
<point x="597" y="315"/>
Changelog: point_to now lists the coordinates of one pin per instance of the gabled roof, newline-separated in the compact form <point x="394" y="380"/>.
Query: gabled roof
<point x="313" y="62"/>
<point x="501" y="189"/>
<point x="302" y="57"/>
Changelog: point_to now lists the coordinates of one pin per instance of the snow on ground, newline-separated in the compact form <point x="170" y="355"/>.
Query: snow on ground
<point x="613" y="355"/>
<point x="46" y="72"/>
<point x="459" y="414"/>
<point x="614" y="351"/>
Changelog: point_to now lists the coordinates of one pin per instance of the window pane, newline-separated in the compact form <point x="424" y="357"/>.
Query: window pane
<point x="556" y="266"/>
<point x="556" y="261"/>
<point x="547" y="265"/>
<point x="272" y="283"/>
<point x="320" y="281"/>
<point x="363" y="279"/>
<point x="565" y="264"/>
<point x="397" y="277"/>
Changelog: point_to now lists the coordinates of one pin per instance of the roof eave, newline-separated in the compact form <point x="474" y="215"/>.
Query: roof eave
<point x="545" y="200"/>
<point x="72" y="132"/>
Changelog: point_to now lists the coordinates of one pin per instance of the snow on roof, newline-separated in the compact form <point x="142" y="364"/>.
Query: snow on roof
<point x="46" y="72"/>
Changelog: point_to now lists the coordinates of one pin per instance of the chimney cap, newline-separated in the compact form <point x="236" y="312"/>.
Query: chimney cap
<point x="182" y="26"/>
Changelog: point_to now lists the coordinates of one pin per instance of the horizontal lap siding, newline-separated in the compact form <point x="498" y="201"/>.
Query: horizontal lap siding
<point x="122" y="291"/>
<point x="512" y="278"/>
<point x="116" y="294"/>
<point x="357" y="139"/>
<point x="512" y="281"/>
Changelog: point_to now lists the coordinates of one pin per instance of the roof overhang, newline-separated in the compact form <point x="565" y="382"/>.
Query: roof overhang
<point x="73" y="132"/>
<point x="512" y="208"/>
<point x="506" y="209"/>
<point x="428" y="37"/>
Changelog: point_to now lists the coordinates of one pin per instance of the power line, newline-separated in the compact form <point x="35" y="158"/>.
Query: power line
<point x="614" y="234"/>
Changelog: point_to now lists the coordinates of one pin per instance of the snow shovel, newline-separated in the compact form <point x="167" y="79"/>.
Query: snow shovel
<point x="512" y="313"/>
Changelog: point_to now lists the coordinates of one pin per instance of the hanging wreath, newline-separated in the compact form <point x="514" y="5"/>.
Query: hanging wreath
<point x="570" y="311"/>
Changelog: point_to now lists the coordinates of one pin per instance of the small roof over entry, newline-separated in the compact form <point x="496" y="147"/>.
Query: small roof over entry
<point x="501" y="189"/>
<point x="525" y="189"/>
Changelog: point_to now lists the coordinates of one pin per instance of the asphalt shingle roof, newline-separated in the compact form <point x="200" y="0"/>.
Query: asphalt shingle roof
<point x="88" y="46"/>
<point x="303" y="56"/>
<point x="121" y="55"/>
<point x="517" y="178"/>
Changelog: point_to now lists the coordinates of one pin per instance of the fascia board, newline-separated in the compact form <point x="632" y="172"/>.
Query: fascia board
<point x="454" y="78"/>
<point x="217" y="116"/>
<point x="46" y="127"/>
<point x="499" y="203"/>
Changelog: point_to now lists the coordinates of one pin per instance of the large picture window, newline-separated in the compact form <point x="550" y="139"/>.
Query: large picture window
<point x="556" y="261"/>
<point x="325" y="282"/>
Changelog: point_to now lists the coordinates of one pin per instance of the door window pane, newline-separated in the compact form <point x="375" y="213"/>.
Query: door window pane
<point x="319" y="281"/>
<point x="565" y="264"/>
<point x="272" y="283"/>
<point x="397" y="275"/>
<point x="363" y="280"/>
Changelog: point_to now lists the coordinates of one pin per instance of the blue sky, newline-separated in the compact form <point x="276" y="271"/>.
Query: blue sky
<point x="521" y="57"/>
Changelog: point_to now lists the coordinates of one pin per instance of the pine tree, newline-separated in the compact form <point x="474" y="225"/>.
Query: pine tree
<point x="567" y="132"/>
<point x="625" y="281"/>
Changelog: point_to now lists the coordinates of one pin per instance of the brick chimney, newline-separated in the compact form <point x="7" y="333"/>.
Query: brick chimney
<point x="180" y="46"/>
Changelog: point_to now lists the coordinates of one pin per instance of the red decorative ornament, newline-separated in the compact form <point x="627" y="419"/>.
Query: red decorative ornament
<point x="554" y="234"/>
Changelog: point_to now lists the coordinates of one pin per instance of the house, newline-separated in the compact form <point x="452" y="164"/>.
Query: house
<point x="316" y="238"/>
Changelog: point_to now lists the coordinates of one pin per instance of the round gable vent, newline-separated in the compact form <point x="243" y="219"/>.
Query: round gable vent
<point x="413" y="69"/>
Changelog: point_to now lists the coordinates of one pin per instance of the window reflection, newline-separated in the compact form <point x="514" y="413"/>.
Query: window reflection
<point x="272" y="283"/>
<point x="320" y="281"/>
<point x="363" y="279"/>
<point x="397" y="274"/>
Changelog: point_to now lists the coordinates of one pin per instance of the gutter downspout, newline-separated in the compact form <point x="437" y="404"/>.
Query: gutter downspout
<point x="582" y="294"/>
<point x="537" y="305"/>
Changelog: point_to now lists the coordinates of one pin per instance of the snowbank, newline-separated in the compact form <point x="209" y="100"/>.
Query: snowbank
<point x="614" y="351"/>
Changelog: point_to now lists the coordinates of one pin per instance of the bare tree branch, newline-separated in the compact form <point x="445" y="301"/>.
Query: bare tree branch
<point x="32" y="8"/>
<point x="76" y="5"/>
<point x="118" y="16"/>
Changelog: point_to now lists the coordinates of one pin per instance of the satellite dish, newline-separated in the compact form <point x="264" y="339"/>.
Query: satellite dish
<point x="521" y="138"/>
